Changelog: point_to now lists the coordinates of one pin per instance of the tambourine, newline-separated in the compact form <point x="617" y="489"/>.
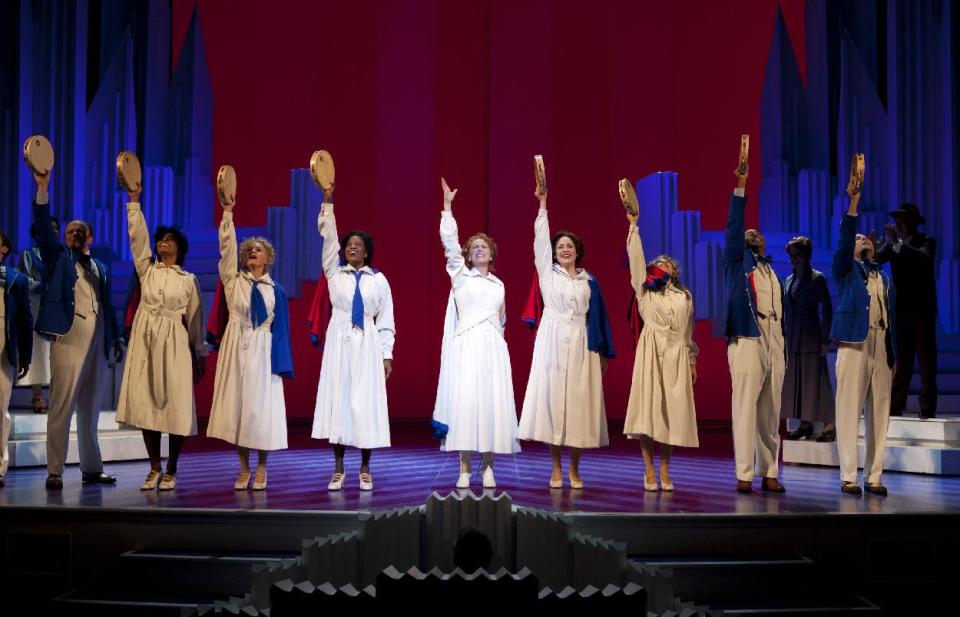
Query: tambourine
<point x="629" y="197"/>
<point x="128" y="171"/>
<point x="227" y="185"/>
<point x="540" y="173"/>
<point x="857" y="171"/>
<point x="38" y="154"/>
<point x="322" y="170"/>
<point x="744" y="154"/>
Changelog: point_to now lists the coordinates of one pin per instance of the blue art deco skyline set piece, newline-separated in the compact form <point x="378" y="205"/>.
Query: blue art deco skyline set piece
<point x="881" y="80"/>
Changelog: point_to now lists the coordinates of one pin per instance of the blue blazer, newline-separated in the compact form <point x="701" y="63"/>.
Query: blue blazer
<point x="60" y="277"/>
<point x="851" y="319"/>
<point x="18" y="328"/>
<point x="738" y="264"/>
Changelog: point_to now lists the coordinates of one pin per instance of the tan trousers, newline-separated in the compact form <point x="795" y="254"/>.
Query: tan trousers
<point x="863" y="385"/>
<point x="7" y="375"/>
<point x="757" y="367"/>
<point x="78" y="375"/>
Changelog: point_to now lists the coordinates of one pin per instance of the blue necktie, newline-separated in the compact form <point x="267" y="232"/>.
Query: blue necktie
<point x="258" y="308"/>
<point x="356" y="315"/>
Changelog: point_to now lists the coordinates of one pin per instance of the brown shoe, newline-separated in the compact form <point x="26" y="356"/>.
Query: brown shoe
<point x="850" y="488"/>
<point x="54" y="483"/>
<point x="772" y="485"/>
<point x="744" y="486"/>
<point x="876" y="489"/>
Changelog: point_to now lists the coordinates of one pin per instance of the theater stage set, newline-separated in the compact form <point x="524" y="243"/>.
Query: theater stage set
<point x="401" y="92"/>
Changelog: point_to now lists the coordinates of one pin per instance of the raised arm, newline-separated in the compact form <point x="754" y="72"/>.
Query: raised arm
<point x="327" y="226"/>
<point x="228" y="248"/>
<point x="638" y="264"/>
<point x="449" y="233"/>
<point x="843" y="256"/>
<point x="734" y="243"/>
<point x="139" y="239"/>
<point x="46" y="238"/>
<point x="542" y="248"/>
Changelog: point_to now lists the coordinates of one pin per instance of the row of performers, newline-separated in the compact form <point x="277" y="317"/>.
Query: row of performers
<point x="475" y="410"/>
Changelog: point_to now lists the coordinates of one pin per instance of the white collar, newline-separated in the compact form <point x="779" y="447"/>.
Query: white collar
<point x="473" y="272"/>
<point x="351" y="269"/>
<point x="263" y="279"/>
<point x="581" y="273"/>
<point x="176" y="268"/>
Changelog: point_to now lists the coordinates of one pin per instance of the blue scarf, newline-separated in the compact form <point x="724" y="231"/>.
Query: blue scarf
<point x="599" y="338"/>
<point x="356" y="313"/>
<point x="258" y="308"/>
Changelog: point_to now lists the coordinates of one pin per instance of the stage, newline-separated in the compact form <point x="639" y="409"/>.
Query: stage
<point x="406" y="474"/>
<point x="712" y="545"/>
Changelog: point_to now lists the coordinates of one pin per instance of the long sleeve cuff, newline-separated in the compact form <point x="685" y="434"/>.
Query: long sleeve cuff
<point x="133" y="205"/>
<point x="739" y="192"/>
<point x="446" y="214"/>
<point x="43" y="198"/>
<point x="327" y="207"/>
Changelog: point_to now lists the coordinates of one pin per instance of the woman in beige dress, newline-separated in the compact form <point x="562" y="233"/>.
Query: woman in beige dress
<point x="661" y="406"/>
<point x="167" y="332"/>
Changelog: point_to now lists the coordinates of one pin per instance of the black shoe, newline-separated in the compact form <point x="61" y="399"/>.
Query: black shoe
<point x="772" y="485"/>
<point x="926" y="415"/>
<point x="876" y="489"/>
<point x="98" y="478"/>
<point x="828" y="436"/>
<point x="851" y="488"/>
<point x="805" y="431"/>
<point x="54" y="482"/>
<point x="896" y="413"/>
<point x="3" y="482"/>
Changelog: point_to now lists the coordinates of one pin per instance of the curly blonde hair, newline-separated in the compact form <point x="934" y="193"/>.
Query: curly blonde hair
<point x="247" y="245"/>
<point x="465" y="251"/>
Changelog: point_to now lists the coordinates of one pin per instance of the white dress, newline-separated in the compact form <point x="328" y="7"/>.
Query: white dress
<point x="39" y="371"/>
<point x="352" y="394"/>
<point x="157" y="388"/>
<point x="475" y="391"/>
<point x="248" y="407"/>
<point x="563" y="405"/>
<point x="661" y="395"/>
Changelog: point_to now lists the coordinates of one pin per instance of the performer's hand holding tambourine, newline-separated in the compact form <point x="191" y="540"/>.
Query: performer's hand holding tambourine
<point x="129" y="174"/>
<point x="323" y="173"/>
<point x="629" y="198"/>
<point x="38" y="155"/>
<point x="540" y="175"/>
<point x="227" y="187"/>
<point x="857" y="171"/>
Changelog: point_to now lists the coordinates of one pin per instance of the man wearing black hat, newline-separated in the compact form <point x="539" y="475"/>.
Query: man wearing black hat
<point x="911" y="254"/>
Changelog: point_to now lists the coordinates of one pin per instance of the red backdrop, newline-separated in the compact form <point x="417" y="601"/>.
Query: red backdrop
<point x="402" y="92"/>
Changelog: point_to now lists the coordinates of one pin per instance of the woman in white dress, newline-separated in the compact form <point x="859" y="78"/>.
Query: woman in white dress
<point x="475" y="404"/>
<point x="563" y="405"/>
<point x="248" y="406"/>
<point x="166" y="335"/>
<point x="351" y="407"/>
<point x="31" y="264"/>
<point x="661" y="406"/>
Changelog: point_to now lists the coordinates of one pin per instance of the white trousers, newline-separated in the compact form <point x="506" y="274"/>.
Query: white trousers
<point x="863" y="385"/>
<point x="7" y="375"/>
<point x="78" y="374"/>
<point x="757" y="367"/>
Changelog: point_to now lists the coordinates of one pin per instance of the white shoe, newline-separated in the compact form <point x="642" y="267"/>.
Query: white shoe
<point x="366" y="482"/>
<point x="488" y="480"/>
<point x="464" y="480"/>
<point x="336" y="482"/>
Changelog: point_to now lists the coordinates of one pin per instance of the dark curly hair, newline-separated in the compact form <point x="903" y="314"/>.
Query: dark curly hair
<point x="183" y="245"/>
<point x="367" y="244"/>
<point x="802" y="245"/>
<point x="577" y="243"/>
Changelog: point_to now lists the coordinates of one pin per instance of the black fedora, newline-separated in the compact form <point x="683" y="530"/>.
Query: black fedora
<point x="910" y="212"/>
